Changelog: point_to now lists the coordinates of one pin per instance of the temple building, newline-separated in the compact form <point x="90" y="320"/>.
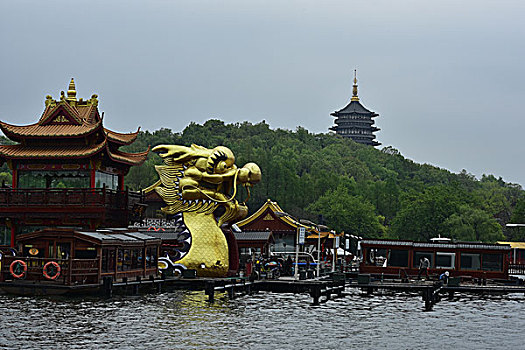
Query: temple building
<point x="67" y="170"/>
<point x="355" y="121"/>
<point x="270" y="231"/>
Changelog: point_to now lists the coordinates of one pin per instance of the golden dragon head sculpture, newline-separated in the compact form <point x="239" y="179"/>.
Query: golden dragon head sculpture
<point x="199" y="179"/>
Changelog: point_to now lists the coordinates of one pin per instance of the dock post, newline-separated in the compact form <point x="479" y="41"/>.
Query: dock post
<point x="431" y="296"/>
<point x="315" y="293"/>
<point x="231" y="292"/>
<point x="341" y="290"/>
<point x="427" y="298"/>
<point x="209" y="290"/>
<point x="108" y="286"/>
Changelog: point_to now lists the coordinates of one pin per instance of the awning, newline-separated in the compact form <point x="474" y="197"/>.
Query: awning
<point x="325" y="235"/>
<point x="518" y="245"/>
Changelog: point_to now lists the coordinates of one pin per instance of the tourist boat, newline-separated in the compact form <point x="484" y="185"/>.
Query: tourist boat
<point x="465" y="259"/>
<point x="59" y="261"/>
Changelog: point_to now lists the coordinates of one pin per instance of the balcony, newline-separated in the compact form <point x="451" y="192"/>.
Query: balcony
<point x="70" y="197"/>
<point x="110" y="206"/>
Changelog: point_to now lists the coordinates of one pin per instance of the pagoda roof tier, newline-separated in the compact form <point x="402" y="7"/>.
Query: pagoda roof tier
<point x="120" y="138"/>
<point x="79" y="112"/>
<point x="19" y="133"/>
<point x="67" y="129"/>
<point x="49" y="151"/>
<point x="71" y="151"/>
<point x="354" y="107"/>
<point x="128" y="158"/>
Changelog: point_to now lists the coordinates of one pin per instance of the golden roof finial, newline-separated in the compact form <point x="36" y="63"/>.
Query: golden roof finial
<point x="71" y="92"/>
<point x="354" y="90"/>
<point x="50" y="101"/>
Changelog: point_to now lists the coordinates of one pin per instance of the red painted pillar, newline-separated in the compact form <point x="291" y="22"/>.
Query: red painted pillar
<point x="121" y="182"/>
<point x="92" y="178"/>
<point x="12" y="236"/>
<point x="14" y="182"/>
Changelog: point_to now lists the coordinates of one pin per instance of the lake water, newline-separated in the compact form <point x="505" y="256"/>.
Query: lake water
<point x="184" y="320"/>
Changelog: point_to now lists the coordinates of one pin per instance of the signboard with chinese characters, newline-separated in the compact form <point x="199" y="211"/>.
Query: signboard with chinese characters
<point x="302" y="232"/>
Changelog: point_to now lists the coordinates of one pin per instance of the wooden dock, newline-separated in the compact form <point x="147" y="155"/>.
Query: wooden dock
<point x="320" y="290"/>
<point x="315" y="288"/>
<point x="432" y="291"/>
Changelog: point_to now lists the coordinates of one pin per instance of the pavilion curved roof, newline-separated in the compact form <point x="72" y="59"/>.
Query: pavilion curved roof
<point x="122" y="138"/>
<point x="50" y="151"/>
<point x="20" y="132"/>
<point x="50" y="110"/>
<point x="69" y="118"/>
<point x="128" y="158"/>
<point x="279" y="213"/>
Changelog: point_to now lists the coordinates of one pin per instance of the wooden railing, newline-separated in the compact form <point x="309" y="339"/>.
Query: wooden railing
<point x="55" y="197"/>
<point x="73" y="271"/>
<point x="517" y="269"/>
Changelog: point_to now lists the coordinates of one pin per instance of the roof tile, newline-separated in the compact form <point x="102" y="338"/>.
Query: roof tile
<point x="73" y="151"/>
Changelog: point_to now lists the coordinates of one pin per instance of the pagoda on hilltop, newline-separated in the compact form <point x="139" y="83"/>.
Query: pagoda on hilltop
<point x="355" y="121"/>
<point x="67" y="170"/>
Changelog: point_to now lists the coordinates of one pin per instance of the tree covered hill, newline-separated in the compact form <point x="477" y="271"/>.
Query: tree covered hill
<point x="357" y="189"/>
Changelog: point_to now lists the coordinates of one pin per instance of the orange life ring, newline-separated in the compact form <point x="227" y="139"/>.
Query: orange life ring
<point x="54" y="270"/>
<point x="18" y="269"/>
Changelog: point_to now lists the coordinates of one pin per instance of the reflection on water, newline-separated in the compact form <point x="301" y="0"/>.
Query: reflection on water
<point x="184" y="319"/>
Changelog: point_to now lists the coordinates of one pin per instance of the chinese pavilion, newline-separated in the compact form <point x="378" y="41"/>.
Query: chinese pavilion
<point x="271" y="218"/>
<point x="271" y="228"/>
<point x="355" y="121"/>
<point x="67" y="170"/>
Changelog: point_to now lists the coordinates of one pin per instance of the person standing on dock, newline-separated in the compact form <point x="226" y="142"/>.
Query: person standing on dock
<point x="424" y="264"/>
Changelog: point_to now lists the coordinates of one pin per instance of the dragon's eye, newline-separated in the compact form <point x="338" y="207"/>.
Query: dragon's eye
<point x="220" y="167"/>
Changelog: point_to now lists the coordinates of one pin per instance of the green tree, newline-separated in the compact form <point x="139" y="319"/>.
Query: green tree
<point x="343" y="211"/>
<point x="518" y="215"/>
<point x="471" y="224"/>
<point x="422" y="215"/>
<point x="517" y="233"/>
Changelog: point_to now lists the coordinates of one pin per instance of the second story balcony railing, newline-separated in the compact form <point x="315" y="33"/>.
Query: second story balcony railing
<point x="67" y="197"/>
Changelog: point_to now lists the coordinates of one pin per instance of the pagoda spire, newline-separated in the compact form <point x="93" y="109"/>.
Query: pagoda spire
<point x="354" y="90"/>
<point x="71" y="92"/>
<point x="355" y="121"/>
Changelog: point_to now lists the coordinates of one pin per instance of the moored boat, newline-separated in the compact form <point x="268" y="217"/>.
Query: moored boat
<point x="466" y="259"/>
<point x="59" y="261"/>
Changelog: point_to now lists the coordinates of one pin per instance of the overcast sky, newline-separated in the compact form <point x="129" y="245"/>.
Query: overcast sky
<point x="446" y="77"/>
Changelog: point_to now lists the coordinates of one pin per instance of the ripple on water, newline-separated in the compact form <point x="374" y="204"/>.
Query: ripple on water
<point x="184" y="319"/>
